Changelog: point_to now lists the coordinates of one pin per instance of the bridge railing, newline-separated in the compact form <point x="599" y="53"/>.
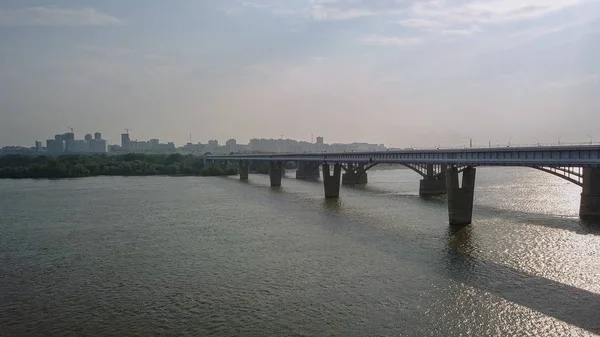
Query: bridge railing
<point x="492" y="146"/>
<point x="413" y="148"/>
<point x="458" y="147"/>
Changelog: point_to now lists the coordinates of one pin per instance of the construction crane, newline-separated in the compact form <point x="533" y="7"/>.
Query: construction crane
<point x="127" y="130"/>
<point x="72" y="130"/>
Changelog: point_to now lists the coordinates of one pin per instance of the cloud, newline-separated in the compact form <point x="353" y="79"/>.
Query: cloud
<point x="575" y="82"/>
<point x="106" y="50"/>
<point x="460" y="32"/>
<point x="541" y="31"/>
<point x="467" y="18"/>
<point x="378" y="40"/>
<point x="239" y="7"/>
<point x="321" y="13"/>
<point x="488" y="12"/>
<point x="316" y="10"/>
<point x="425" y="14"/>
<point x="94" y="52"/>
<point x="421" y="24"/>
<point x="53" y="16"/>
<point x="154" y="57"/>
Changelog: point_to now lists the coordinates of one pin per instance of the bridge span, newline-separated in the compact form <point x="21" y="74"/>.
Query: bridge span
<point x="439" y="169"/>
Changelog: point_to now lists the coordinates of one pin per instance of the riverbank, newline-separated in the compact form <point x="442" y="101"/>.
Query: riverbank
<point x="133" y="164"/>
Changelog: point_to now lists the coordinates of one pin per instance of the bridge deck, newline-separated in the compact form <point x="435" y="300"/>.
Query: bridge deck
<point x="559" y="156"/>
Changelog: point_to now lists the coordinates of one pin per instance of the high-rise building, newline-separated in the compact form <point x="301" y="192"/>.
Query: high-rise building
<point x="88" y="137"/>
<point x="97" y="146"/>
<point x="231" y="145"/>
<point x="125" y="142"/>
<point x="38" y="146"/>
<point x="54" y="146"/>
<point x="69" y="138"/>
<point x="79" y="146"/>
<point x="97" y="136"/>
<point x="320" y="140"/>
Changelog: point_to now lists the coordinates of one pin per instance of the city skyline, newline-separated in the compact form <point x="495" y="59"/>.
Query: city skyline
<point x="318" y="139"/>
<point x="70" y="143"/>
<point x="116" y="139"/>
<point x="413" y="72"/>
<point x="564" y="138"/>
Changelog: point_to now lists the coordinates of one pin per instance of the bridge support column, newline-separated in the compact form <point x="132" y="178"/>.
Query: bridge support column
<point x="589" y="206"/>
<point x="307" y="170"/>
<point x="433" y="185"/>
<point x="244" y="168"/>
<point x="460" y="199"/>
<point x="275" y="172"/>
<point x="331" y="182"/>
<point x="355" y="175"/>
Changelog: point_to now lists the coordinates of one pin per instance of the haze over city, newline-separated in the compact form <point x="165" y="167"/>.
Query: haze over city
<point x="299" y="167"/>
<point x="395" y="72"/>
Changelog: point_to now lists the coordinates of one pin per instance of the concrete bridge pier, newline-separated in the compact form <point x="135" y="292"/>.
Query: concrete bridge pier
<point x="307" y="170"/>
<point x="433" y="184"/>
<point x="589" y="206"/>
<point x="275" y="172"/>
<point x="331" y="182"/>
<point x="355" y="175"/>
<point x="460" y="199"/>
<point x="244" y="169"/>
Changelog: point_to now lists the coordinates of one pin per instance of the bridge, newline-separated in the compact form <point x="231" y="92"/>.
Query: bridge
<point x="439" y="169"/>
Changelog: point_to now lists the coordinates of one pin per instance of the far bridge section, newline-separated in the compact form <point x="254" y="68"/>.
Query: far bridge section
<point x="439" y="170"/>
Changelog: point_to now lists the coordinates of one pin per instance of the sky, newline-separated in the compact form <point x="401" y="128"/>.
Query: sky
<point x="399" y="72"/>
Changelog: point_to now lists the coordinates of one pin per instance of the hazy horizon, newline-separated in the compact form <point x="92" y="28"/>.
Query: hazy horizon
<point x="401" y="73"/>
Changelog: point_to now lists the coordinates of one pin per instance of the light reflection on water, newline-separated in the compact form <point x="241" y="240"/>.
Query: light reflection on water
<point x="216" y="256"/>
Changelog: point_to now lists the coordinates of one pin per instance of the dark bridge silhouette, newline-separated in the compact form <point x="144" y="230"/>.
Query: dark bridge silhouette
<point x="440" y="170"/>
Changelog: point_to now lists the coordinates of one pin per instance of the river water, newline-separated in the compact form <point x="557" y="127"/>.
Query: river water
<point x="217" y="256"/>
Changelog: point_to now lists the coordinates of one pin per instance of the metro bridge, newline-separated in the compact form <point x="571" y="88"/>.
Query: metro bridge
<point x="439" y="169"/>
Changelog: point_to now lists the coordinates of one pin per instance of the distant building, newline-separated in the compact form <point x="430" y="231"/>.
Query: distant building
<point x="320" y="140"/>
<point x="164" y="148"/>
<point x="79" y="146"/>
<point x="125" y="142"/>
<point x="151" y="146"/>
<point x="88" y="137"/>
<point x="16" y="150"/>
<point x="97" y="146"/>
<point x="140" y="146"/>
<point x="54" y="146"/>
<point x="69" y="138"/>
<point x="241" y="148"/>
<point x="38" y="146"/>
<point x="231" y="145"/>
<point x="195" y="148"/>
<point x="212" y="146"/>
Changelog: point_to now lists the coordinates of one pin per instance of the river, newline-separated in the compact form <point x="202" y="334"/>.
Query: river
<point x="216" y="256"/>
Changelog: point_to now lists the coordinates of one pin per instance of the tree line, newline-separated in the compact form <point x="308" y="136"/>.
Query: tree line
<point x="131" y="164"/>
